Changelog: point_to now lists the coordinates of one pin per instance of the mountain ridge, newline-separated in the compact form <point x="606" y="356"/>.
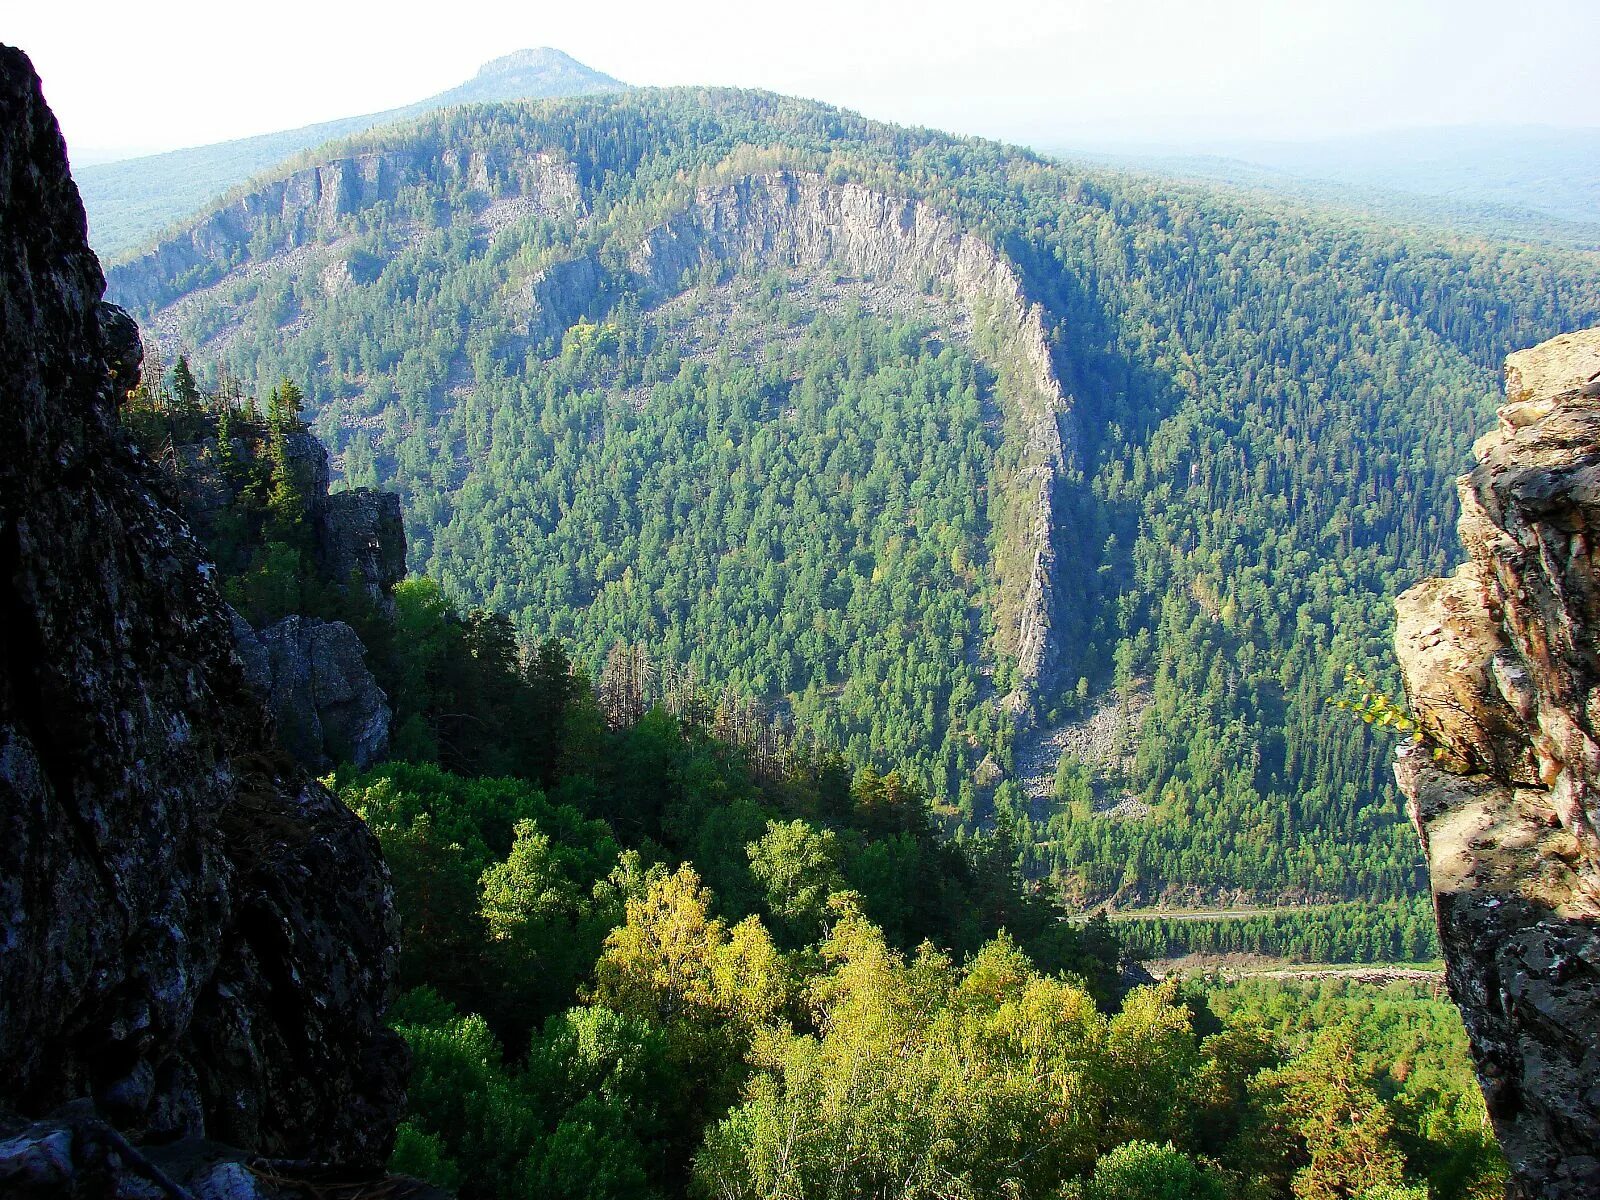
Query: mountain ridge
<point x="1518" y="182"/>
<point x="476" y="305"/>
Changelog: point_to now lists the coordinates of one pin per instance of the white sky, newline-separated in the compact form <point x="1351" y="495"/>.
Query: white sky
<point x="167" y="73"/>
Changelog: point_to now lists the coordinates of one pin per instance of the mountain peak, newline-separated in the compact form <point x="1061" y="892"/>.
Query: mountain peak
<point x="542" y="65"/>
<point x="128" y="201"/>
<point x="538" y="58"/>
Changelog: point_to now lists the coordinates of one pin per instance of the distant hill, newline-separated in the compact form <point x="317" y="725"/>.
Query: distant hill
<point x="1529" y="183"/>
<point x="129" y="202"/>
<point x="1553" y="171"/>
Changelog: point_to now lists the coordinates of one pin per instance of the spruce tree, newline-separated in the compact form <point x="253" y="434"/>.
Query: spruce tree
<point x="185" y="391"/>
<point x="288" y="496"/>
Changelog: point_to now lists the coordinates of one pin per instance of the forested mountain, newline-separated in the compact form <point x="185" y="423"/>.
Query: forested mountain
<point x="652" y="947"/>
<point x="131" y="200"/>
<point x="933" y="446"/>
<point x="1453" y="214"/>
<point x="1538" y="168"/>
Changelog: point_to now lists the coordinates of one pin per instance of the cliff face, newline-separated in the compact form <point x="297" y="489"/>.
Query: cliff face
<point x="800" y="219"/>
<point x="312" y="674"/>
<point x="795" y="219"/>
<point x="359" y="536"/>
<point x="194" y="935"/>
<point x="1502" y="665"/>
<point x="314" y="203"/>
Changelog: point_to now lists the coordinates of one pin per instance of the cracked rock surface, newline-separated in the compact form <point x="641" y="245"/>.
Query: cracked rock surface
<point x="1502" y="669"/>
<point x="194" y="935"/>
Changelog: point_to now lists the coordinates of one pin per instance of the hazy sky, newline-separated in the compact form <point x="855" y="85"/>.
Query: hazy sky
<point x="159" y="75"/>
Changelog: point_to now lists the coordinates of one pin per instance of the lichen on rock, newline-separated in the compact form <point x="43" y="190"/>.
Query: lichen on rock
<point x="1501" y="663"/>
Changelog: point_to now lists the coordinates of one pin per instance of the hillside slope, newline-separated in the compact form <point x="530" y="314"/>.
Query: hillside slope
<point x="906" y="434"/>
<point x="131" y="201"/>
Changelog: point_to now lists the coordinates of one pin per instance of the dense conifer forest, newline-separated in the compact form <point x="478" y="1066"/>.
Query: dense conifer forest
<point x="656" y="944"/>
<point x="1349" y="932"/>
<point x="1268" y="408"/>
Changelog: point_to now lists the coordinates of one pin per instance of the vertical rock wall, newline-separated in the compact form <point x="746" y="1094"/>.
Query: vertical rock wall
<point x="193" y="933"/>
<point x="1502" y="669"/>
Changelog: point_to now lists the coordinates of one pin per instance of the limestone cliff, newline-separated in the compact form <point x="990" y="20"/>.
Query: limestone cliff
<point x="195" y="937"/>
<point x="1502" y="669"/>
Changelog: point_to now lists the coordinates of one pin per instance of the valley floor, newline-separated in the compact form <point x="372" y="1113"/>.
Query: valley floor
<point x="1263" y="966"/>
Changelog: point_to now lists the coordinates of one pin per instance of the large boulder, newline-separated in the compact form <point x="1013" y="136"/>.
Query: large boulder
<point x="194" y="934"/>
<point x="1502" y="670"/>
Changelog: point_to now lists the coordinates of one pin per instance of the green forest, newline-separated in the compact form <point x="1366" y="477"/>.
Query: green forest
<point x="654" y="944"/>
<point x="1351" y="932"/>
<point x="1269" y="405"/>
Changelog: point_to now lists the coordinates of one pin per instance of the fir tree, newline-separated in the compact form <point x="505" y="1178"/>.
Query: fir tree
<point x="288" y="497"/>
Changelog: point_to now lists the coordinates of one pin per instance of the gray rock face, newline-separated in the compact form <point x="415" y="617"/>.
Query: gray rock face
<point x="1502" y="668"/>
<point x="314" y="678"/>
<point x="798" y="219"/>
<point x="314" y="203"/>
<point x="360" y="537"/>
<point x="192" y="931"/>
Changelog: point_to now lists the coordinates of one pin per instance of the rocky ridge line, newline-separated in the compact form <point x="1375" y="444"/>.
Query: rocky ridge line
<point x="311" y="204"/>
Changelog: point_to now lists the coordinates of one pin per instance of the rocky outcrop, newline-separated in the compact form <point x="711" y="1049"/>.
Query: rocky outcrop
<point x="794" y="219"/>
<point x="314" y="204"/>
<point x="194" y="935"/>
<point x="360" y="539"/>
<point x="1502" y="670"/>
<point x="313" y="674"/>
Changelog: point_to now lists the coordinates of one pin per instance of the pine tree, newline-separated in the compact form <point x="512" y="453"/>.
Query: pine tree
<point x="230" y="465"/>
<point x="185" y="391"/>
<point x="288" y="497"/>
